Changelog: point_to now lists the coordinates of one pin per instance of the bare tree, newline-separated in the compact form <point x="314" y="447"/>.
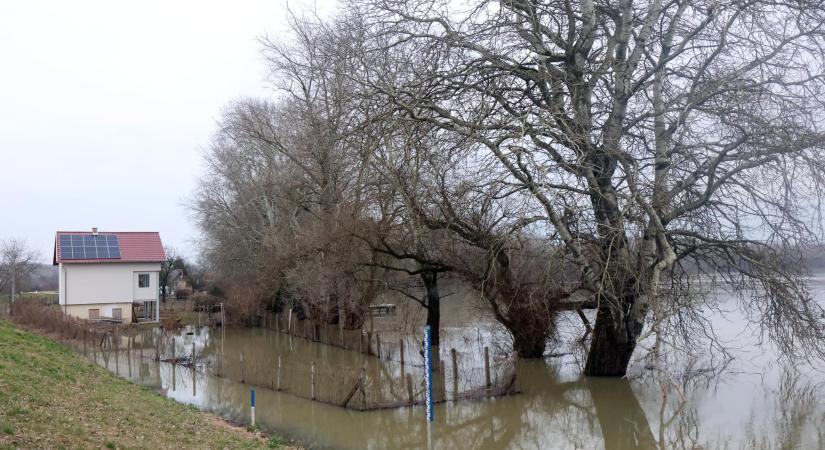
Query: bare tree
<point x="18" y="263"/>
<point x="657" y="140"/>
<point x="481" y="231"/>
<point x="287" y="183"/>
<point x="170" y="270"/>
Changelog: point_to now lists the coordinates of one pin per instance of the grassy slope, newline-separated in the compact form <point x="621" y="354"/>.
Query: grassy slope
<point x="50" y="397"/>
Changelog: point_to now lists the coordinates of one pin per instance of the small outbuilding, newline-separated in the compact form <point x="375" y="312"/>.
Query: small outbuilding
<point x="108" y="275"/>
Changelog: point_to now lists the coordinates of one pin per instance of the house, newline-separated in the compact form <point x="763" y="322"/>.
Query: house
<point x="108" y="275"/>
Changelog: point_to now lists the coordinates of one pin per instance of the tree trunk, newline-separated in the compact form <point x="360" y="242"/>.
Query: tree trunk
<point x="529" y="344"/>
<point x="430" y="280"/>
<point x="13" y="292"/>
<point x="610" y="352"/>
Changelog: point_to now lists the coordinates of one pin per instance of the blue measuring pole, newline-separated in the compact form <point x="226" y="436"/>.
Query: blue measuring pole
<point x="428" y="376"/>
<point x="252" y="403"/>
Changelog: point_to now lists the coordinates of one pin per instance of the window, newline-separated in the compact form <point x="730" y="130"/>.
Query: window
<point x="117" y="313"/>
<point x="94" y="314"/>
<point x="143" y="280"/>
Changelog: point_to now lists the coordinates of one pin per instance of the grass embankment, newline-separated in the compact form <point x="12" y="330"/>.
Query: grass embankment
<point x="50" y="397"/>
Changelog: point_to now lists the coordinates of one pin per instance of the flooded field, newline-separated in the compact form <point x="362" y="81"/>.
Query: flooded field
<point x="751" y="402"/>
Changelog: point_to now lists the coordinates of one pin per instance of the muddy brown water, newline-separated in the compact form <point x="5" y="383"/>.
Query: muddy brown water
<point x="751" y="402"/>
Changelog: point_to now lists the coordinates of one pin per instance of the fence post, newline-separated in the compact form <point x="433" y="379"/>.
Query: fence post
<point x="278" y="383"/>
<point x="361" y="341"/>
<point x="410" y="389"/>
<point x="361" y="387"/>
<point x="243" y="374"/>
<point x="401" y="345"/>
<point x="378" y="345"/>
<point x="157" y="344"/>
<point x="455" y="373"/>
<point x="312" y="380"/>
<point x="129" y="355"/>
<point x="442" y="374"/>
<point x="487" y="383"/>
<point x="173" y="350"/>
<point x="117" y="360"/>
<point x="193" y="355"/>
<point x="84" y="343"/>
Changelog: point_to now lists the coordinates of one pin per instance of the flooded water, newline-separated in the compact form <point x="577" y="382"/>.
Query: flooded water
<point x="752" y="402"/>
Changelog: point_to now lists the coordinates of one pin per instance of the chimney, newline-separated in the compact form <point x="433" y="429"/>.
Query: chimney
<point x="94" y="231"/>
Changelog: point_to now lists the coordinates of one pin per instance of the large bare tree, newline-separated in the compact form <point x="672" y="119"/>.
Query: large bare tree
<point x="657" y="139"/>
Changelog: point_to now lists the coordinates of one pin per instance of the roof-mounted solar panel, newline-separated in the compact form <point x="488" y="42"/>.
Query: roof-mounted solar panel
<point x="89" y="246"/>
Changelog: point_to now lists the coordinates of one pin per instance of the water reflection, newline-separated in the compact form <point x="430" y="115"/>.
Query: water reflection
<point x="774" y="410"/>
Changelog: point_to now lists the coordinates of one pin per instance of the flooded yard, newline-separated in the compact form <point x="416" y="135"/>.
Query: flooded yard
<point x="752" y="401"/>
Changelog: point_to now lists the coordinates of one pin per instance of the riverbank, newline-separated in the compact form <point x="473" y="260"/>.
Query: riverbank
<point x="50" y="397"/>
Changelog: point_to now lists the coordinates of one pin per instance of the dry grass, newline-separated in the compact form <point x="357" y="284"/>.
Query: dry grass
<point x="50" y="397"/>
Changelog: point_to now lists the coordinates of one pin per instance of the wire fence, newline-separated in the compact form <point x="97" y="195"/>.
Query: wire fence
<point x="386" y="378"/>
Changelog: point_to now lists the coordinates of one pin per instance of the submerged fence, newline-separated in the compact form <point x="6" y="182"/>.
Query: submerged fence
<point x="375" y="385"/>
<point x="389" y="375"/>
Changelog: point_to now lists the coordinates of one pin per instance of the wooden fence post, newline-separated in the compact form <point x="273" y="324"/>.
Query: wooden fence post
<point x="157" y="345"/>
<point x="443" y="375"/>
<point x="487" y="383"/>
<point x="410" y="389"/>
<point x="243" y="373"/>
<point x="378" y="345"/>
<point x="401" y="351"/>
<point x="361" y="387"/>
<point x="278" y="381"/>
<point x="129" y="355"/>
<point x="193" y="355"/>
<point x="455" y="373"/>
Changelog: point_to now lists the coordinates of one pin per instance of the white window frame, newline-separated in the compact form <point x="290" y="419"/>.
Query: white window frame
<point x="148" y="281"/>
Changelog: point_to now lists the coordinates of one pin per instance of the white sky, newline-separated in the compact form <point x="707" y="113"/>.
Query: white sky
<point x="106" y="107"/>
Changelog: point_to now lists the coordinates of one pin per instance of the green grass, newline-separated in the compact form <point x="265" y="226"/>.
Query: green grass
<point x="50" y="397"/>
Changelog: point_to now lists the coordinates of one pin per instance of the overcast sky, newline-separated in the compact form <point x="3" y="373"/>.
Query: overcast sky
<point x="106" y="107"/>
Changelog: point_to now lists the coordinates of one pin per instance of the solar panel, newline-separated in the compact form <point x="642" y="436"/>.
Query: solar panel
<point x="89" y="246"/>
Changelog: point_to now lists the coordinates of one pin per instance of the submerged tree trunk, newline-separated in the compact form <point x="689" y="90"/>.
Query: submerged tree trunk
<point x="430" y="280"/>
<point x="613" y="342"/>
<point x="529" y="344"/>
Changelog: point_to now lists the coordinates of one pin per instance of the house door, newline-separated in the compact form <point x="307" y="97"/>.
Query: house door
<point x="148" y="309"/>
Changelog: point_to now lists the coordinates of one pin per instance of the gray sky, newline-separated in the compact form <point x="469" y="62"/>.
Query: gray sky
<point x="105" y="108"/>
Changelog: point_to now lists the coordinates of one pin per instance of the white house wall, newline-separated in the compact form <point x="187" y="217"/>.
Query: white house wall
<point x="106" y="283"/>
<point x="147" y="293"/>
<point x="61" y="295"/>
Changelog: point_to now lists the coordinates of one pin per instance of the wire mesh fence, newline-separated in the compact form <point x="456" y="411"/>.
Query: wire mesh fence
<point x="386" y="375"/>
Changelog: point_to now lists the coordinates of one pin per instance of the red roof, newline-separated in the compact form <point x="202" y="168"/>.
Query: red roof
<point x="135" y="246"/>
